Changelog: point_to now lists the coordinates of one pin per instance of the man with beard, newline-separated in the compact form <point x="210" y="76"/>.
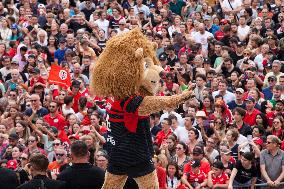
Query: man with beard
<point x="60" y="156"/>
<point x="54" y="118"/>
<point x="277" y="92"/>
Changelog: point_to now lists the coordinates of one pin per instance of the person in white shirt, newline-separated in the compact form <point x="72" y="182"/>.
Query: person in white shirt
<point x="260" y="57"/>
<point x="231" y="6"/>
<point x="227" y="95"/>
<point x="243" y="28"/>
<point x="122" y="27"/>
<point x="202" y="37"/>
<point x="168" y="112"/>
<point x="140" y="7"/>
<point x="182" y="132"/>
<point x="102" y="22"/>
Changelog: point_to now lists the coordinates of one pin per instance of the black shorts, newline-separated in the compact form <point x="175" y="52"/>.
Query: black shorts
<point x="132" y="171"/>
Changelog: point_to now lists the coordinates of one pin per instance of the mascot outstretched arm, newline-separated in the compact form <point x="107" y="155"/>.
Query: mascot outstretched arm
<point x="129" y="71"/>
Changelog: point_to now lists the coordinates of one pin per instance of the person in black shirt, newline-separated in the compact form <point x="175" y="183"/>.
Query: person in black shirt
<point x="8" y="179"/>
<point x="244" y="129"/>
<point x="172" y="58"/>
<point x="227" y="67"/>
<point x="88" y="10"/>
<point x="81" y="174"/>
<point x="244" y="172"/>
<point x="39" y="164"/>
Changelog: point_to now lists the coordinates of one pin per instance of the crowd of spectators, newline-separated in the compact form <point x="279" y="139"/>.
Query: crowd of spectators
<point x="229" y="133"/>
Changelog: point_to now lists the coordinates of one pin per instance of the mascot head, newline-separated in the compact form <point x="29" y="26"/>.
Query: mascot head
<point x="127" y="66"/>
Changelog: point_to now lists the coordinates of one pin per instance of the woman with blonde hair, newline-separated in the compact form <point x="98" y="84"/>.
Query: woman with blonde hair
<point x="5" y="31"/>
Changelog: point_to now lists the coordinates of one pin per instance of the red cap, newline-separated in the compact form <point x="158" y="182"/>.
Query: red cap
<point x="74" y="136"/>
<point x="224" y="21"/>
<point x="258" y="141"/>
<point x="12" y="164"/>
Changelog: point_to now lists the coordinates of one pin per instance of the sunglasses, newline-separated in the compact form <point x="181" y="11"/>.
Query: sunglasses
<point x="23" y="158"/>
<point x="271" y="80"/>
<point x="56" y="144"/>
<point x="61" y="155"/>
<point x="52" y="106"/>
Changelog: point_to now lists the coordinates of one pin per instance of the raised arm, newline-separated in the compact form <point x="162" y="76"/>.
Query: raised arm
<point x="152" y="104"/>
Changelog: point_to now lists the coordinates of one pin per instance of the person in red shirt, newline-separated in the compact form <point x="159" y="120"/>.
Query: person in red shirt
<point x="198" y="154"/>
<point x="165" y="132"/>
<point x="75" y="87"/>
<point x="196" y="178"/>
<point x="54" y="118"/>
<point x="251" y="112"/>
<point x="36" y="79"/>
<point x="161" y="172"/>
<point x="217" y="178"/>
<point x="220" y="33"/>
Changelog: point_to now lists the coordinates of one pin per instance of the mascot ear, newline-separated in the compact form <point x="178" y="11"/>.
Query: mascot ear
<point x="155" y="45"/>
<point x="139" y="53"/>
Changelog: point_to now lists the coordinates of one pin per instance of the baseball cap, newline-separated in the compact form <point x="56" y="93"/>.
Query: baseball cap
<point x="224" y="21"/>
<point x="250" y="98"/>
<point x="197" y="150"/>
<point x="41" y="6"/>
<point x="240" y="90"/>
<point x="12" y="164"/>
<point x="14" y="62"/>
<point x="226" y="151"/>
<point x="141" y="12"/>
<point x="14" y="26"/>
<point x="62" y="40"/>
<point x="163" y="57"/>
<point x="122" y="21"/>
<point x="195" y="163"/>
<point x="240" y="44"/>
<point x="13" y="136"/>
<point x="36" y="70"/>
<point x="206" y="17"/>
<point x="152" y="6"/>
<point x="272" y="77"/>
<point x="258" y="141"/>
<point x="31" y="56"/>
<point x="218" y="165"/>
<point x="200" y="114"/>
<point x="207" y="61"/>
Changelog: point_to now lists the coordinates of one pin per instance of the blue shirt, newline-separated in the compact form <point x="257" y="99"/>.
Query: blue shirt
<point x="59" y="55"/>
<point x="267" y="93"/>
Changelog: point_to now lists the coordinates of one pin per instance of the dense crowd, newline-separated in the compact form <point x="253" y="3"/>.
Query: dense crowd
<point x="229" y="134"/>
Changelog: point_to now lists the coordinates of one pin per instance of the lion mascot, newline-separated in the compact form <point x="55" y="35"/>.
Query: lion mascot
<point x="129" y="72"/>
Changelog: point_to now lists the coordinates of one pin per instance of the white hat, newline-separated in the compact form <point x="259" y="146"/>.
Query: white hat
<point x="200" y="114"/>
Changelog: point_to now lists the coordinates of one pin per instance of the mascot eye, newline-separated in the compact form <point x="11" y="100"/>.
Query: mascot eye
<point x="154" y="82"/>
<point x="146" y="66"/>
